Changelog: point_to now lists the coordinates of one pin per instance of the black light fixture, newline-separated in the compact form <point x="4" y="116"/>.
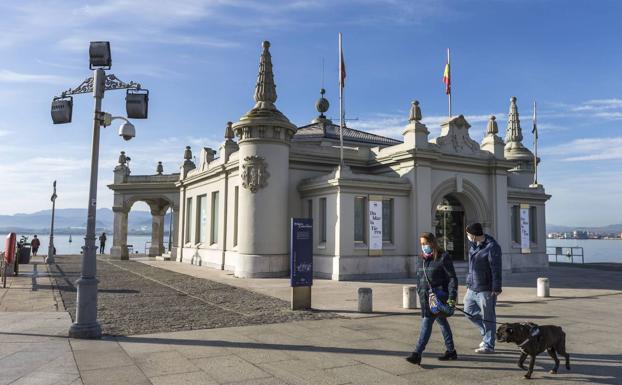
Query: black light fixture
<point x="62" y="108"/>
<point x="99" y="55"/>
<point x="137" y="103"/>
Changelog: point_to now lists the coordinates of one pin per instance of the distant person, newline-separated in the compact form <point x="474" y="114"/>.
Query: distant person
<point x="483" y="284"/>
<point x="34" y="244"/>
<point x="102" y="243"/>
<point x="436" y="274"/>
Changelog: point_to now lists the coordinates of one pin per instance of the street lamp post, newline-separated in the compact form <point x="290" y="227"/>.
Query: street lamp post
<point x="50" y="257"/>
<point x="86" y="324"/>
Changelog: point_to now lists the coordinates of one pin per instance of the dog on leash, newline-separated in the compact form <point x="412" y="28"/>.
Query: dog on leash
<point x="533" y="340"/>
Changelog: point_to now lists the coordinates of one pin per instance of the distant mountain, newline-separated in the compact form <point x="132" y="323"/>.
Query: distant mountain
<point x="66" y="219"/>
<point x="616" y="228"/>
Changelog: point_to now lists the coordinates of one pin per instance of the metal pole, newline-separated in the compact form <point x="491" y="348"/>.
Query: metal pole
<point x="50" y="257"/>
<point x="449" y="80"/>
<point x="535" y="140"/>
<point x="341" y="81"/>
<point x="170" y="230"/>
<point x="86" y="325"/>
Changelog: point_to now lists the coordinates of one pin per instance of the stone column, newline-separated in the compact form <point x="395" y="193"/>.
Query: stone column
<point x="157" y="231"/>
<point x="175" y="233"/>
<point x="119" y="237"/>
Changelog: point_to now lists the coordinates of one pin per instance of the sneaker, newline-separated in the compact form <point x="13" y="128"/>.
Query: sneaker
<point x="482" y="344"/>
<point x="484" y="350"/>
<point x="414" y="358"/>
<point x="448" y="356"/>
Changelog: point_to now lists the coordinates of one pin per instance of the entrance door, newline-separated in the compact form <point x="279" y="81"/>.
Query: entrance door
<point x="449" y="230"/>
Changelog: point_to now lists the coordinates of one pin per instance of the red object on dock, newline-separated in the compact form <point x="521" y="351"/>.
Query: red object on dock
<point x="9" y="248"/>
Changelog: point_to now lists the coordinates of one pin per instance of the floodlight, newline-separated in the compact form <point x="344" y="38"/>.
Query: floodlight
<point x="62" y="108"/>
<point x="137" y="103"/>
<point x="99" y="55"/>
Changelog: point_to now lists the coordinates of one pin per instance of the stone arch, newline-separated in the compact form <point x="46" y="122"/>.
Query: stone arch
<point x="469" y="195"/>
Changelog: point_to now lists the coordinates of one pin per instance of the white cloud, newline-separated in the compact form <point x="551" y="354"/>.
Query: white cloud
<point x="586" y="149"/>
<point x="8" y="76"/>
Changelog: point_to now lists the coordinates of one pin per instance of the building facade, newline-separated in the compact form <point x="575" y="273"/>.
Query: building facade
<point x="234" y="207"/>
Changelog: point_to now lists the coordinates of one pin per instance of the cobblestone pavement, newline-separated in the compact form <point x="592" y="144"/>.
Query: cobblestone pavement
<point x="135" y="298"/>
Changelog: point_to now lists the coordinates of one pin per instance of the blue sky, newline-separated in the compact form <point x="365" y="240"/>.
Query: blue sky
<point x="199" y="60"/>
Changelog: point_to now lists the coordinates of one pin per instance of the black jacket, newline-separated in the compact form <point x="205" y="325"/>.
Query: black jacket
<point x="442" y="276"/>
<point x="485" y="266"/>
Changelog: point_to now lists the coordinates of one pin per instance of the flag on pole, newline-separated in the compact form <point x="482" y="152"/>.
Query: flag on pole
<point x="447" y="76"/>
<point x="534" y="130"/>
<point x="342" y="68"/>
<point x="53" y="198"/>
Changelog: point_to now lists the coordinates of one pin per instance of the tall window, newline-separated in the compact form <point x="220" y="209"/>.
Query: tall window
<point x="387" y="220"/>
<point x="515" y="223"/>
<point x="360" y="215"/>
<point x="235" y="215"/>
<point x="533" y="225"/>
<point x="201" y="218"/>
<point x="188" y="220"/>
<point x="322" y="219"/>
<point x="214" y="227"/>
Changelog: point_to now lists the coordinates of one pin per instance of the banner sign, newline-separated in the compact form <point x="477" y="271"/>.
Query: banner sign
<point x="524" y="229"/>
<point x="301" y="252"/>
<point x="375" y="225"/>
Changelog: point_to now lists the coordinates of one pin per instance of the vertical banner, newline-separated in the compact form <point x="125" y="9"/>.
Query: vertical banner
<point x="375" y="225"/>
<point x="524" y="229"/>
<point x="301" y="252"/>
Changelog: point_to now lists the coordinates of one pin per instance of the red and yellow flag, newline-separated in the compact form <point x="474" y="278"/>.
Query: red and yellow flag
<point x="447" y="78"/>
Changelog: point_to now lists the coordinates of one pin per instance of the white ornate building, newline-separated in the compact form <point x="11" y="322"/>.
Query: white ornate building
<point x="232" y="211"/>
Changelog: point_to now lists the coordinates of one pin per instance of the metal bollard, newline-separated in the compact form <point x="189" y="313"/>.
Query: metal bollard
<point x="409" y="297"/>
<point x="543" y="287"/>
<point x="365" y="300"/>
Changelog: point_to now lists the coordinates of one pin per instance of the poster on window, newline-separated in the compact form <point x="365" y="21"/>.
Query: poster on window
<point x="524" y="229"/>
<point x="375" y="226"/>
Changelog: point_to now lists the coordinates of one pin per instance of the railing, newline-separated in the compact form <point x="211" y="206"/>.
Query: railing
<point x="147" y="246"/>
<point x="569" y="253"/>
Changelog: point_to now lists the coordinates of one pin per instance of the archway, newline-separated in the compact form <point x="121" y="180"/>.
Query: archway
<point x="449" y="227"/>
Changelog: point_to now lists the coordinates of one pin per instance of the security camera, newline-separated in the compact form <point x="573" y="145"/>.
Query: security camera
<point x="127" y="131"/>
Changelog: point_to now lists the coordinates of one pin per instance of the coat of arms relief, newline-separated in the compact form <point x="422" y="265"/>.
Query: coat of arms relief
<point x="254" y="173"/>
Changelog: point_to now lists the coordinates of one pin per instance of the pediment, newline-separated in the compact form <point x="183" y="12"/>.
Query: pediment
<point x="455" y="138"/>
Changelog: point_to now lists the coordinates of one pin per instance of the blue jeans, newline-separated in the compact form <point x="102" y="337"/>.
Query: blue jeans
<point x="482" y="307"/>
<point x="426" y="332"/>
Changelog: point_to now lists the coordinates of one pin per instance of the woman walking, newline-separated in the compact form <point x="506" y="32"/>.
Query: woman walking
<point x="435" y="273"/>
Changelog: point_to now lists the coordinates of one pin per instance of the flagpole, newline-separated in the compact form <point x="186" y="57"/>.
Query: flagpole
<point x="449" y="95"/>
<point x="341" y="112"/>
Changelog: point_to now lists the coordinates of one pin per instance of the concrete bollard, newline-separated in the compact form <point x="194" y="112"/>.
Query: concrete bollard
<point x="543" y="287"/>
<point x="409" y="297"/>
<point x="365" y="300"/>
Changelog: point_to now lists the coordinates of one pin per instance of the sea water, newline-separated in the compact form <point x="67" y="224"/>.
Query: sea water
<point x="63" y="246"/>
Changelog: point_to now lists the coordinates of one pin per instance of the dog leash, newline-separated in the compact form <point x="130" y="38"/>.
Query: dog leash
<point x="472" y="316"/>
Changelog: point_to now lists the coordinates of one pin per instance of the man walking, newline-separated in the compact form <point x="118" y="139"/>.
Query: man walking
<point x="34" y="244"/>
<point x="102" y="243"/>
<point x="483" y="284"/>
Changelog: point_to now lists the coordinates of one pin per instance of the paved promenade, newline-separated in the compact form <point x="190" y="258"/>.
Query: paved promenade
<point x="360" y="349"/>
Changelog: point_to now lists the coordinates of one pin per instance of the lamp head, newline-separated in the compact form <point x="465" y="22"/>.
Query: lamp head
<point x="127" y="131"/>
<point x="99" y="55"/>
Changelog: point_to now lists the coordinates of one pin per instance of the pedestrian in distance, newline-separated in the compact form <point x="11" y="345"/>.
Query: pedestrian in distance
<point x="483" y="285"/>
<point x="34" y="244"/>
<point x="436" y="275"/>
<point x="102" y="243"/>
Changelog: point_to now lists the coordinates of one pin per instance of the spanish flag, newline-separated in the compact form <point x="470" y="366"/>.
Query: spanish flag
<point x="447" y="76"/>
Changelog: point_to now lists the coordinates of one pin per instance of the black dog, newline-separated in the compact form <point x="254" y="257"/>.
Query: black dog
<point x="533" y="340"/>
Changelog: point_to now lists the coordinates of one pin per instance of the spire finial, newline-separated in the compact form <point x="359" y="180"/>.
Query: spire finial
<point x="322" y="104"/>
<point x="514" y="132"/>
<point x="159" y="168"/>
<point x="122" y="158"/>
<point x="265" y="90"/>
<point x="492" y="128"/>
<point x="229" y="131"/>
<point x="415" y="112"/>
<point x="188" y="153"/>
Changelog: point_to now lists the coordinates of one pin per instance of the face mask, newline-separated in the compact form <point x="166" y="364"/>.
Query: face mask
<point x="427" y="249"/>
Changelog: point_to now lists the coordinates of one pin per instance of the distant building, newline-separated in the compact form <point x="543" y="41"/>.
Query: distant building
<point x="233" y="211"/>
<point x="580" y="234"/>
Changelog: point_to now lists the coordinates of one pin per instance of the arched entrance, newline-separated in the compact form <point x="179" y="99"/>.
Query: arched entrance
<point x="449" y="227"/>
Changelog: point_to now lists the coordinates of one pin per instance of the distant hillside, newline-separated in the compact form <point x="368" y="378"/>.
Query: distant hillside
<point x="72" y="219"/>
<point x="616" y="229"/>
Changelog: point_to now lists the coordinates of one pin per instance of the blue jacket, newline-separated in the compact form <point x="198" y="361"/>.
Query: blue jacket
<point x="484" y="266"/>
